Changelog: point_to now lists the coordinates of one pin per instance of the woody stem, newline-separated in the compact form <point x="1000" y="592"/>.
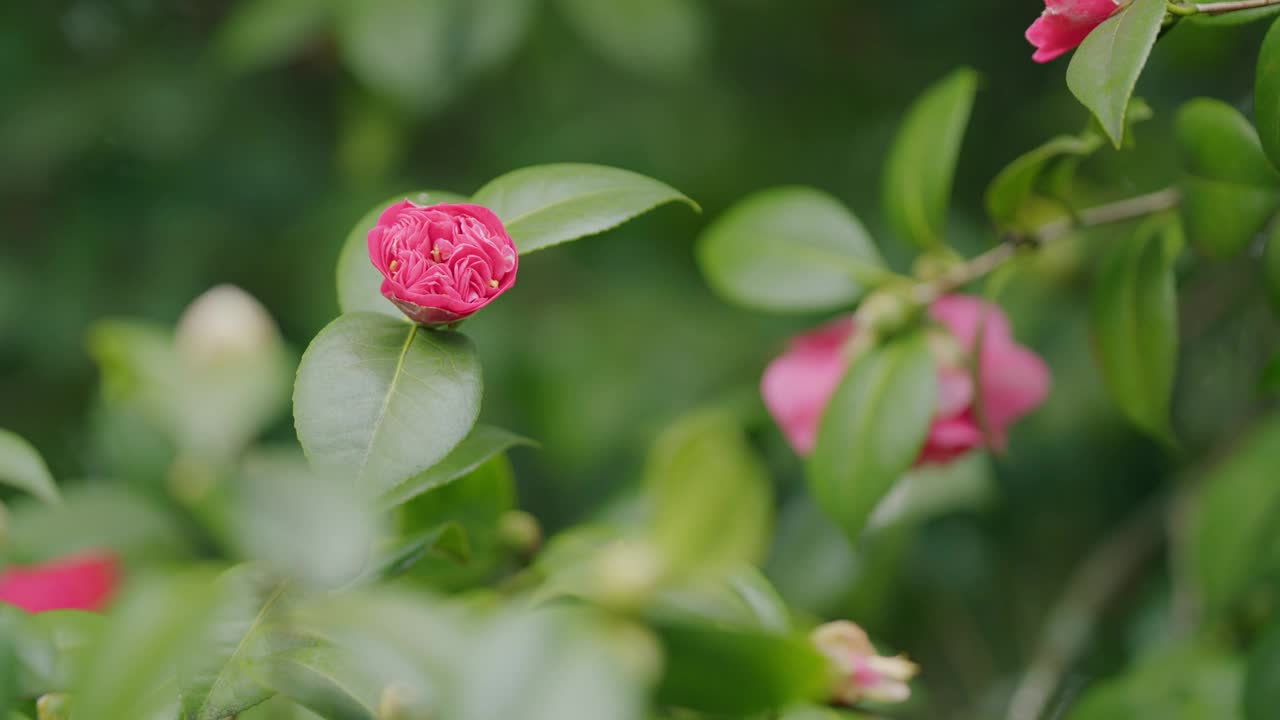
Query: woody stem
<point x="989" y="261"/>
<point x="1218" y="8"/>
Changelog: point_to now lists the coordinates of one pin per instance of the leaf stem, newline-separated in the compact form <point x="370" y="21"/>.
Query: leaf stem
<point x="1218" y="8"/>
<point x="978" y="267"/>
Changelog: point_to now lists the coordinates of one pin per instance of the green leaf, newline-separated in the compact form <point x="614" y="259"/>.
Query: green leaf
<point x="922" y="162"/>
<point x="95" y="516"/>
<point x="659" y="38"/>
<point x="401" y="49"/>
<point x="1236" y="527"/>
<point x="742" y="598"/>
<point x="155" y="627"/>
<point x="1016" y="183"/>
<point x="789" y="249"/>
<point x="49" y="645"/>
<point x="1262" y="677"/>
<point x="1229" y="189"/>
<point x="474" y="502"/>
<point x="359" y="282"/>
<point x="1105" y="68"/>
<point x="484" y="442"/>
<point x="873" y="430"/>
<point x="1266" y="98"/>
<point x="1134" y="316"/>
<point x="737" y="672"/>
<point x="378" y="400"/>
<point x="264" y="32"/>
<point x="699" y="466"/>
<point x="546" y="205"/>
<point x="307" y="526"/>
<point x="217" y="684"/>
<point x="10" y="633"/>
<point x="321" y="679"/>
<point x="1181" y="684"/>
<point x="22" y="467"/>
<point x="449" y="540"/>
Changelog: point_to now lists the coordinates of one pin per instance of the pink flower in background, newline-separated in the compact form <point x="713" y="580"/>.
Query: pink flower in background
<point x="82" y="582"/>
<point x="442" y="262"/>
<point x="1066" y="23"/>
<point x="798" y="385"/>
<point x="861" y="672"/>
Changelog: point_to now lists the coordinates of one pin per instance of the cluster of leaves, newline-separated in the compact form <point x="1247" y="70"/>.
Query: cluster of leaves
<point x="799" y="250"/>
<point x="389" y="574"/>
<point x="419" y="53"/>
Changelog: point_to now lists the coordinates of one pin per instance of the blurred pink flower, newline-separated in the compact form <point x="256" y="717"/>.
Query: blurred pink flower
<point x="861" y="673"/>
<point x="82" y="582"/>
<point x="1066" y="23"/>
<point x="442" y="262"/>
<point x="798" y="385"/>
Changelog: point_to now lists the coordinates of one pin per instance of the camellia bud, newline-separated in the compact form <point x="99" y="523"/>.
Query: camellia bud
<point x="519" y="531"/>
<point x="884" y="313"/>
<point x="441" y="263"/>
<point x="224" y="324"/>
<point x="859" y="672"/>
<point x="626" y="573"/>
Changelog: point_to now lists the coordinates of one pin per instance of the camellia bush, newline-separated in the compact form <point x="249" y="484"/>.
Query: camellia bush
<point x="380" y="568"/>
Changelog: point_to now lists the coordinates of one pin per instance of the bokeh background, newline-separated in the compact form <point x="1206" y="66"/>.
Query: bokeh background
<point x="151" y="149"/>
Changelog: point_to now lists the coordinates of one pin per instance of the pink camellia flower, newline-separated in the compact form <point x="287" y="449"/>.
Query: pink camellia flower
<point x="442" y="262"/>
<point x="82" y="582"/>
<point x="798" y="385"/>
<point x="861" y="673"/>
<point x="1066" y="23"/>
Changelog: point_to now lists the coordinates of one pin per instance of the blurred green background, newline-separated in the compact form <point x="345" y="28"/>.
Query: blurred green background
<point x="151" y="149"/>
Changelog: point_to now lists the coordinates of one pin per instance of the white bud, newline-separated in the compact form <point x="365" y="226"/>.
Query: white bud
<point x="225" y="323"/>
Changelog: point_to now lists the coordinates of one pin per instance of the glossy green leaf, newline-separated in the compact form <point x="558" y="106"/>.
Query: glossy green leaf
<point x="737" y="672"/>
<point x="10" y="632"/>
<point x="259" y="33"/>
<point x="1266" y="97"/>
<point x="1105" y="68"/>
<point x="1016" y="183"/>
<point x="359" y="282"/>
<point x="873" y="430"/>
<point x="922" y="162"/>
<point x="1229" y="189"/>
<point x="1262" y="677"/>
<point x="475" y="503"/>
<point x="789" y="249"/>
<point x="1236" y="527"/>
<point x="217" y="684"/>
<point x="1134" y="316"/>
<point x="659" y="38"/>
<point x="157" y="626"/>
<point x="22" y="467"/>
<point x="378" y="401"/>
<point x="699" y="466"/>
<point x="546" y="205"/>
<point x="307" y="526"/>
<point x="1222" y="217"/>
<point x="484" y="442"/>
<point x="321" y="679"/>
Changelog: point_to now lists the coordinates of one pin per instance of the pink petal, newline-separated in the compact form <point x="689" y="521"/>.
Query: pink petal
<point x="797" y="386"/>
<point x="1065" y="24"/>
<point x="1015" y="381"/>
<point x="949" y="439"/>
<point x="81" y="583"/>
